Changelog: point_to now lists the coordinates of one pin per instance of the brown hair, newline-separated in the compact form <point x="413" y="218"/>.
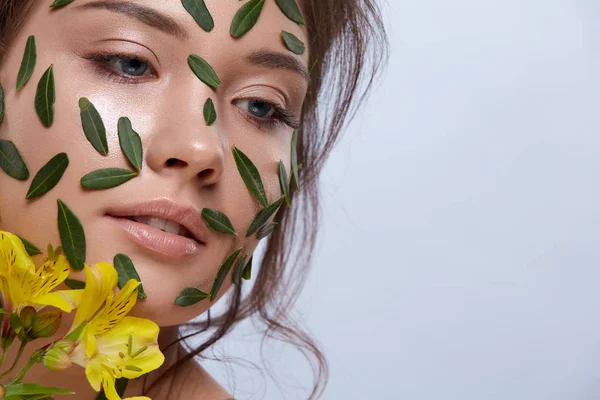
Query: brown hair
<point x="348" y="46"/>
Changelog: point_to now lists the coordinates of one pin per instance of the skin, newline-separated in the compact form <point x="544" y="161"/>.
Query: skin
<point x="165" y="107"/>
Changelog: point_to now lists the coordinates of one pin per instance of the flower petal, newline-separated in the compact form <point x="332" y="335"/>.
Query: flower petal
<point x="115" y="309"/>
<point x="66" y="300"/>
<point x="47" y="277"/>
<point x="101" y="279"/>
<point x="94" y="373"/>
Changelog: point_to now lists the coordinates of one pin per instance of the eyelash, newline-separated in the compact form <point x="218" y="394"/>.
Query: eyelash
<point x="281" y="116"/>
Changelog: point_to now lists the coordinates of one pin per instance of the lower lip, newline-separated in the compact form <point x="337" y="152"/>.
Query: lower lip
<point x="165" y="243"/>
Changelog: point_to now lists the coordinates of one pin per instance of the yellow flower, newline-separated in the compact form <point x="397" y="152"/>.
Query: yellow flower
<point x="111" y="344"/>
<point x="21" y="285"/>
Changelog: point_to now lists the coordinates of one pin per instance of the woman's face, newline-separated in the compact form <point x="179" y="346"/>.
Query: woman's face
<point x="130" y="60"/>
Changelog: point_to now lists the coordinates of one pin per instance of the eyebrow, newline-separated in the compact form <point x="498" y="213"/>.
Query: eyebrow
<point x="146" y="15"/>
<point x="275" y="59"/>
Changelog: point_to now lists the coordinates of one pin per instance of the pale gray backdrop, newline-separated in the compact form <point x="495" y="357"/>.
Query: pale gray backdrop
<point x="460" y="254"/>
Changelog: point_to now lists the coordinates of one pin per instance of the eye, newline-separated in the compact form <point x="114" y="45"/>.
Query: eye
<point x="122" y="67"/>
<point x="132" y="66"/>
<point x="257" y="108"/>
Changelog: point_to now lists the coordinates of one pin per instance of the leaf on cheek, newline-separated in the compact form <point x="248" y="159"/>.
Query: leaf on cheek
<point x="223" y="271"/>
<point x="93" y="126"/>
<point x="48" y="176"/>
<point x="28" y="63"/>
<point x="130" y="142"/>
<point x="11" y="161"/>
<point x="45" y="98"/>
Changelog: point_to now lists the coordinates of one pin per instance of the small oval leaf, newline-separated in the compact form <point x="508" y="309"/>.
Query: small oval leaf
<point x="291" y="10"/>
<point x="198" y="10"/>
<point x="11" y="161"/>
<point x="218" y="222"/>
<point x="190" y="296"/>
<point x="93" y="126"/>
<point x="45" y="98"/>
<point x="130" y="142"/>
<point x="223" y="271"/>
<point x="266" y="230"/>
<point x="28" y="63"/>
<point x="203" y="71"/>
<point x="238" y="270"/>
<point x="294" y="160"/>
<point x="293" y="44"/>
<point x="284" y="183"/>
<point x="210" y="114"/>
<point x="60" y="3"/>
<point x="107" y="178"/>
<point x="72" y="236"/>
<point x="30" y="248"/>
<point x="2" y="105"/>
<point x="126" y="271"/>
<point x="74" y="284"/>
<point x="48" y="176"/>
<point x="251" y="176"/>
<point x="247" y="275"/>
<point x="246" y="17"/>
<point x="263" y="216"/>
<point x="31" y="389"/>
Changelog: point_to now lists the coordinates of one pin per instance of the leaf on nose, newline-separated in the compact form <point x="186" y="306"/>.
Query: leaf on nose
<point x="218" y="222"/>
<point x="190" y="296"/>
<point x="107" y="178"/>
<point x="93" y="126"/>
<point x="30" y="248"/>
<point x="198" y="10"/>
<point x="126" y="271"/>
<point x="263" y="217"/>
<point x="60" y="3"/>
<point x="293" y="44"/>
<point x="2" y="105"/>
<point x="28" y="63"/>
<point x="246" y="17"/>
<point x="203" y="71"/>
<point x="45" y="98"/>
<point x="48" y="176"/>
<point x="72" y="236"/>
<point x="223" y="271"/>
<point x="251" y="176"/>
<point x="130" y="142"/>
<point x="291" y="10"/>
<point x="247" y="275"/>
<point x="210" y="114"/>
<point x="284" y="183"/>
<point x="11" y="161"/>
<point x="238" y="270"/>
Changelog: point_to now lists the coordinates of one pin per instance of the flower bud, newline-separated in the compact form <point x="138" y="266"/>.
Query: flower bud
<point x="27" y="316"/>
<point x="45" y="324"/>
<point x="58" y="356"/>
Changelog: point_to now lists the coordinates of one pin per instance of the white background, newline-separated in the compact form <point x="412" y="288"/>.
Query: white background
<point x="459" y="256"/>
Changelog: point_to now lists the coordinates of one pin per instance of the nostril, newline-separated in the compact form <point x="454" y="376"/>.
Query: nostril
<point x="208" y="175"/>
<point x="172" y="162"/>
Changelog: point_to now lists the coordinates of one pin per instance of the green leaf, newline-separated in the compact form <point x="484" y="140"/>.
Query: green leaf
<point x="314" y="64"/>
<point x="200" y="13"/>
<point x="72" y="236"/>
<point x="250" y="175"/>
<point x="203" y="71"/>
<point x="28" y="63"/>
<point x="210" y="115"/>
<point x="218" y="222"/>
<point x="263" y="216"/>
<point x="48" y="176"/>
<point x="247" y="275"/>
<point x="11" y="161"/>
<point x="246" y="17"/>
<point x="60" y="3"/>
<point x="223" y="271"/>
<point x="107" y="178"/>
<point x="2" y="105"/>
<point x="284" y="184"/>
<point x="190" y="296"/>
<point x="238" y="270"/>
<point x="126" y="271"/>
<point x="130" y="142"/>
<point x="45" y="98"/>
<point x="74" y="283"/>
<point x="93" y="126"/>
<point x="294" y="160"/>
<point x="24" y="389"/>
<point x="291" y="10"/>
<point x="293" y="44"/>
<point x="31" y="249"/>
<point x="266" y="230"/>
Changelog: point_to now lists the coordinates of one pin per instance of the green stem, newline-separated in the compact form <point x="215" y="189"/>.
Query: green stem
<point x="32" y="361"/>
<point x="19" y="354"/>
<point x="3" y="356"/>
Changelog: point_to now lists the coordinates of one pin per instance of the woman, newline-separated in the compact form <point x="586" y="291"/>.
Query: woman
<point x="132" y="59"/>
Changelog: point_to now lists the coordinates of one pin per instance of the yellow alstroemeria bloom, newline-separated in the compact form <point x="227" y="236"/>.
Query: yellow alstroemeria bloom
<point x="113" y="345"/>
<point x="21" y="285"/>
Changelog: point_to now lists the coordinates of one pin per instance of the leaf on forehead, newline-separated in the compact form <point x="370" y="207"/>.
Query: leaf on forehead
<point x="107" y="178"/>
<point x="126" y="271"/>
<point x="190" y="296"/>
<point x="93" y="126"/>
<point x="247" y="275"/>
<point x="45" y="97"/>
<point x="246" y="17"/>
<point x="30" y="248"/>
<point x="130" y="142"/>
<point x="238" y="270"/>
<point x="284" y="183"/>
<point x="294" y="160"/>
<point x="2" y="105"/>
<point x="28" y="63"/>
<point x="203" y="71"/>
<point x="293" y="44"/>
<point x="263" y="216"/>
<point x="291" y="10"/>
<point x="198" y="10"/>
<point x="218" y="222"/>
<point x="74" y="284"/>
<point x="60" y="3"/>
<point x="251" y="176"/>
<point x="48" y="176"/>
<point x="11" y="161"/>
<point x="72" y="236"/>
<point x="223" y="271"/>
<point x="210" y="115"/>
<point x="266" y="230"/>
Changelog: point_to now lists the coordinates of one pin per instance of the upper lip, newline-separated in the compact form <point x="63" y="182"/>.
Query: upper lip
<point x="165" y="208"/>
